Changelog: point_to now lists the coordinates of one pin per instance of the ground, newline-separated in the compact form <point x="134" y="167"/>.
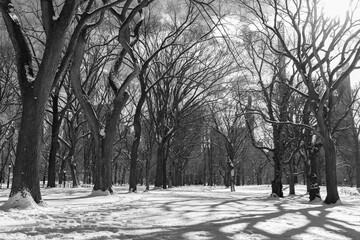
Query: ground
<point x="192" y="212"/>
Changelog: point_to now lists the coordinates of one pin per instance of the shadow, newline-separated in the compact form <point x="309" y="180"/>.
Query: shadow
<point x="214" y="229"/>
<point x="197" y="215"/>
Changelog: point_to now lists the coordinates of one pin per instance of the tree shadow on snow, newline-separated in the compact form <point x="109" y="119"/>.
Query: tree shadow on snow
<point x="229" y="217"/>
<point x="315" y="221"/>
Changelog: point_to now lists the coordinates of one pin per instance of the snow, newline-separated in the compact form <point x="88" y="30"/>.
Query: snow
<point x="29" y="74"/>
<point x="191" y="212"/>
<point x="21" y="201"/>
<point x="102" y="132"/>
<point x="98" y="193"/>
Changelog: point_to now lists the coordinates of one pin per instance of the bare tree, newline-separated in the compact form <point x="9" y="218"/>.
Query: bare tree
<point x="322" y="50"/>
<point x="35" y="86"/>
<point x="188" y="75"/>
<point x="9" y="105"/>
<point x="155" y="38"/>
<point x="353" y="162"/>
<point x="268" y="72"/>
<point x="59" y="106"/>
<point x="104" y="133"/>
<point x="229" y="121"/>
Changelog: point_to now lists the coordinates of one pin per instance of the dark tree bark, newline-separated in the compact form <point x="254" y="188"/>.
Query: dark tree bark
<point x="163" y="136"/>
<point x="242" y="171"/>
<point x="324" y="121"/>
<point x="71" y="145"/>
<point x="123" y="175"/>
<point x="116" y="173"/>
<point x="164" y="169"/>
<point x="311" y="154"/>
<point x="276" y="95"/>
<point x="312" y="58"/>
<point x="137" y="136"/>
<point x="161" y="173"/>
<point x="259" y="176"/>
<point x="57" y="117"/>
<point x="231" y="165"/>
<point x="276" y="184"/>
<point x="147" y="173"/>
<point x="61" y="172"/>
<point x="357" y="156"/>
<point x="232" y="174"/>
<point x="330" y="169"/>
<point x="211" y="165"/>
<point x="205" y="165"/>
<point x="73" y="171"/>
<point x="148" y="157"/>
<point x="291" y="177"/>
<point x="55" y="129"/>
<point x="103" y="138"/>
<point x="314" y="191"/>
<point x="35" y="89"/>
<point x="88" y="149"/>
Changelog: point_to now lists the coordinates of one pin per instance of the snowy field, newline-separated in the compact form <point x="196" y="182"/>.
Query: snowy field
<point x="194" y="213"/>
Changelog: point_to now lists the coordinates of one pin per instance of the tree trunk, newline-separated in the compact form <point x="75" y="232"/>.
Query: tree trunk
<point x="211" y="169"/>
<point x="259" y="174"/>
<point x="242" y="173"/>
<point x="115" y="173"/>
<point x="137" y="136"/>
<point x="61" y="172"/>
<point x="311" y="152"/>
<point x="314" y="189"/>
<point x="34" y="91"/>
<point x="232" y="174"/>
<point x="147" y="165"/>
<point x="238" y="177"/>
<point x="307" y="175"/>
<point x="356" y="155"/>
<point x="160" y="157"/>
<point x="72" y="164"/>
<point x="104" y="154"/>
<point x="133" y="163"/>
<point x="147" y="174"/>
<point x="176" y="176"/>
<point x="88" y="146"/>
<point x="73" y="173"/>
<point x="103" y="138"/>
<point x="123" y="176"/>
<point x="291" y="177"/>
<point x="226" y="177"/>
<point x="164" y="172"/>
<point x="276" y="184"/>
<point x="330" y="169"/>
<point x="205" y="164"/>
<point x="171" y="173"/>
<point x="28" y="154"/>
<point x="182" y="176"/>
<point x="55" y="129"/>
<point x="259" y="177"/>
<point x="101" y="172"/>
<point x="101" y="181"/>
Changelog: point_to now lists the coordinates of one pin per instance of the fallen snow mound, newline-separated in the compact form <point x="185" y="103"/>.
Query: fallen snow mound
<point x="97" y="193"/>
<point x="21" y="200"/>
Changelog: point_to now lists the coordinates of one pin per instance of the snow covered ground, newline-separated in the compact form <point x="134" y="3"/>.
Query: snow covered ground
<point x="194" y="213"/>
